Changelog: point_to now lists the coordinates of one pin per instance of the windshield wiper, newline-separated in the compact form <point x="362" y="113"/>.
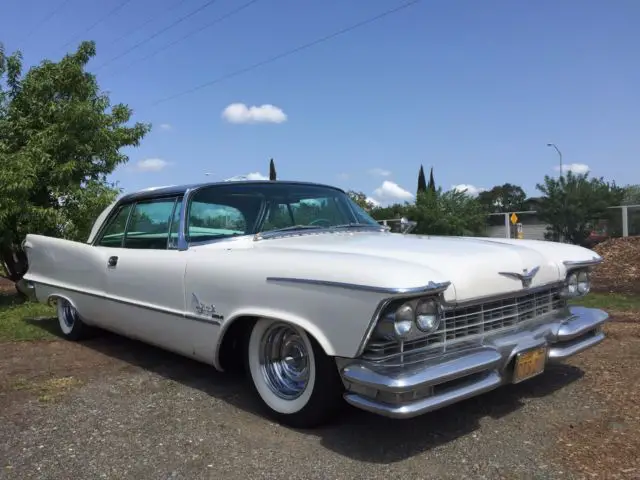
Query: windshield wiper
<point x="355" y="225"/>
<point x="293" y="227"/>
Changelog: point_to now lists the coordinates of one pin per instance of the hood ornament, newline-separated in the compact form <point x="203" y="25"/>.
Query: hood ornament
<point x="526" y="277"/>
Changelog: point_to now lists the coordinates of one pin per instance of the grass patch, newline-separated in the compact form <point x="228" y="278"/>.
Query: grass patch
<point x="13" y="319"/>
<point x="610" y="301"/>
<point x="48" y="390"/>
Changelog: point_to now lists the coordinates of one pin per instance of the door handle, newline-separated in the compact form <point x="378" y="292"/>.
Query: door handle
<point x="112" y="262"/>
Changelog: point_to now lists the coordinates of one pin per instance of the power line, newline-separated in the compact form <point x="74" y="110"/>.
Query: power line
<point x="142" y="42"/>
<point x="149" y="20"/>
<point x="289" y="52"/>
<point x="98" y="22"/>
<point x="227" y="15"/>
<point x="48" y="17"/>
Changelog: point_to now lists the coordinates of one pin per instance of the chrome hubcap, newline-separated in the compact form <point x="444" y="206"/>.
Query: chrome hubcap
<point x="284" y="361"/>
<point x="69" y="314"/>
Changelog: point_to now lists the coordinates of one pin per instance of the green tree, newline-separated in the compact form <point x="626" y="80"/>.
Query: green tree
<point x="422" y="181"/>
<point x="573" y="204"/>
<point x="59" y="139"/>
<point x="631" y="195"/>
<point x="503" y="198"/>
<point x="447" y="213"/>
<point x="432" y="183"/>
<point x="361" y="199"/>
<point x="272" y="170"/>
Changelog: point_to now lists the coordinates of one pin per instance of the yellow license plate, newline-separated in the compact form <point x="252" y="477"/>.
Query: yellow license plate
<point x="529" y="364"/>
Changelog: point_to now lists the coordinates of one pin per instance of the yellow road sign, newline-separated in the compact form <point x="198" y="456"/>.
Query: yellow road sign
<point x="514" y="218"/>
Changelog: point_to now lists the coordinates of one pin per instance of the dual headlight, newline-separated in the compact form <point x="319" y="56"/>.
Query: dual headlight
<point x="577" y="284"/>
<point x="409" y="319"/>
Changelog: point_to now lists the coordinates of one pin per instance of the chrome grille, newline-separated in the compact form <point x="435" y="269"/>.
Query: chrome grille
<point x="464" y="323"/>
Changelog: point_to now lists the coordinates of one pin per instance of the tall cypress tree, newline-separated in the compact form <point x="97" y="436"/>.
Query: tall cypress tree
<point x="272" y="170"/>
<point x="422" y="182"/>
<point x="432" y="183"/>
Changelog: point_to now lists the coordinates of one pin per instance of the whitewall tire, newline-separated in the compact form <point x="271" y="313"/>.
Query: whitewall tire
<point x="71" y="325"/>
<point x="297" y="382"/>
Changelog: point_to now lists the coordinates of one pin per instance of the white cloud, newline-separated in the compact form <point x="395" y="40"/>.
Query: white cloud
<point x="373" y="201"/>
<point x="166" y="126"/>
<point x="379" y="172"/>
<point x="248" y="176"/>
<point x="470" y="189"/>
<point x="573" y="167"/>
<point x="150" y="165"/>
<point x="391" y="192"/>
<point x="241" y="113"/>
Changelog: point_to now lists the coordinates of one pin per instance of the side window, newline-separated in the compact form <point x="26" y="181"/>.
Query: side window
<point x="279" y="216"/>
<point x="148" y="226"/>
<point x="114" y="233"/>
<point x="208" y="221"/>
<point x="321" y="211"/>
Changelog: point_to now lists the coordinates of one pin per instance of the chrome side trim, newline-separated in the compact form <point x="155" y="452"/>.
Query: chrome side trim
<point x="146" y="306"/>
<point x="430" y="288"/>
<point x="571" y="264"/>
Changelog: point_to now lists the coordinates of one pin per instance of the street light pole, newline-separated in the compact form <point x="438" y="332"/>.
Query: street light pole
<point x="559" y="154"/>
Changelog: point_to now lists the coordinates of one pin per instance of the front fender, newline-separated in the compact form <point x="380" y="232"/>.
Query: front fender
<point x="276" y="314"/>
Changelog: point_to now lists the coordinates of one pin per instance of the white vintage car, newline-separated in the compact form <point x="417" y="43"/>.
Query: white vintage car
<point x="320" y="303"/>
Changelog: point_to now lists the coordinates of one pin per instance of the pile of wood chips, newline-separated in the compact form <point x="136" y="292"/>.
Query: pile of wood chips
<point x="620" y="271"/>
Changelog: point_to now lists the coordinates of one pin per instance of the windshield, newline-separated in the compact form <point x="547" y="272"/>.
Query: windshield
<point x="244" y="209"/>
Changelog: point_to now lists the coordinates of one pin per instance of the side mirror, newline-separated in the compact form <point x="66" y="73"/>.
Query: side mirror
<point x="406" y="225"/>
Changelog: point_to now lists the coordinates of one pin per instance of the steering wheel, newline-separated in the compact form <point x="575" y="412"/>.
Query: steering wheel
<point x="321" y="220"/>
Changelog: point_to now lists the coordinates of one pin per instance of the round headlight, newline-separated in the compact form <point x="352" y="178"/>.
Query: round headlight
<point x="403" y="320"/>
<point x="572" y="284"/>
<point x="584" y="282"/>
<point x="427" y="316"/>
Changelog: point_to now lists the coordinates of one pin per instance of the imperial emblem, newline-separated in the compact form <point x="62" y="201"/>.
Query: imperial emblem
<point x="526" y="277"/>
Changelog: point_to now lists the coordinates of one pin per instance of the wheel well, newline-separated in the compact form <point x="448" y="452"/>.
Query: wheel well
<point x="230" y="355"/>
<point x="54" y="297"/>
<point x="232" y="346"/>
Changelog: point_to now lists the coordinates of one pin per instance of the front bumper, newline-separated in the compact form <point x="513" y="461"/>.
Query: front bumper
<point x="447" y="378"/>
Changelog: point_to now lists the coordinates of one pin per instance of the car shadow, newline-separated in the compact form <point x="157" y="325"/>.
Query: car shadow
<point x="355" y="434"/>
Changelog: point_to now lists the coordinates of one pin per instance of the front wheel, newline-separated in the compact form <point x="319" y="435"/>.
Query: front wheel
<point x="294" y="378"/>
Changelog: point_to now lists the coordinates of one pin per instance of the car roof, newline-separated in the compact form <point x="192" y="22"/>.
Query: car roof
<point x="154" y="192"/>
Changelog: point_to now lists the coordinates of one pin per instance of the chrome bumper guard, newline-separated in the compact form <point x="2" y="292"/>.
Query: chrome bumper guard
<point x="27" y="288"/>
<point x="447" y="378"/>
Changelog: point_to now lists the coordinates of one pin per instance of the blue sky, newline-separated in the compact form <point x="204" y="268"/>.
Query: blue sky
<point x="475" y="89"/>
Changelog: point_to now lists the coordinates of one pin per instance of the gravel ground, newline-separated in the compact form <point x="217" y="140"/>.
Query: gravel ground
<point x="115" y="408"/>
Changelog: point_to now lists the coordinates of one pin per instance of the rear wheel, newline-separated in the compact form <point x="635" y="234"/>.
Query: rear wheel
<point x="71" y="325"/>
<point x="297" y="382"/>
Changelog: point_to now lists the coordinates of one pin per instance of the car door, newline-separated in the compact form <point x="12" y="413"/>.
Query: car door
<point x="145" y="279"/>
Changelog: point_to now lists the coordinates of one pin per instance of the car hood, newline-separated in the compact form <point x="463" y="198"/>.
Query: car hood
<point x="473" y="265"/>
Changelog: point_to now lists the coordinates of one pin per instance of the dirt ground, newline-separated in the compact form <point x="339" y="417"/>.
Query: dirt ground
<point x="115" y="408"/>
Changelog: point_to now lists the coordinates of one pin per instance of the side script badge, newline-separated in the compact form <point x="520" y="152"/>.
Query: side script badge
<point x="205" y="309"/>
<point x="526" y="277"/>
